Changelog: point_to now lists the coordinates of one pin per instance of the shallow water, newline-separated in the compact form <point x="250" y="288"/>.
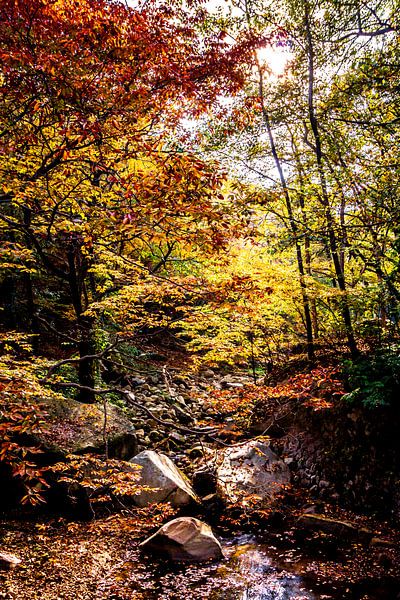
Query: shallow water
<point x="250" y="574"/>
<point x="254" y="570"/>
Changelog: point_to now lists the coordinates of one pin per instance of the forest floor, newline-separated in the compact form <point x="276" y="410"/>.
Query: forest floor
<point x="101" y="560"/>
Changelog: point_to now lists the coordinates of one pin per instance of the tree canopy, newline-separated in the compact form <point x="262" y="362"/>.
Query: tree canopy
<point x="160" y="175"/>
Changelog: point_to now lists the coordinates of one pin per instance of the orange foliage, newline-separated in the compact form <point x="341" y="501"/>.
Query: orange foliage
<point x="17" y="420"/>
<point x="317" y="389"/>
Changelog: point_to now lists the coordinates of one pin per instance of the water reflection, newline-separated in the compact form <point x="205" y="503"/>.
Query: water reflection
<point x="251" y="571"/>
<point x="249" y="575"/>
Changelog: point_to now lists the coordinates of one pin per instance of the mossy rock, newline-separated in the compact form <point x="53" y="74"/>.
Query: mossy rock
<point x="72" y="427"/>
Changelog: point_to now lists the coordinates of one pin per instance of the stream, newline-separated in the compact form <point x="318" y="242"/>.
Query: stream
<point x="251" y="574"/>
<point x="255" y="570"/>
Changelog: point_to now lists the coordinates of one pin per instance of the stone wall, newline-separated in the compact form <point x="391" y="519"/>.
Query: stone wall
<point x="347" y="455"/>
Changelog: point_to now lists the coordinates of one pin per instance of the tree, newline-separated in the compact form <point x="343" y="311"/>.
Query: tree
<point x="311" y="133"/>
<point x="92" y="176"/>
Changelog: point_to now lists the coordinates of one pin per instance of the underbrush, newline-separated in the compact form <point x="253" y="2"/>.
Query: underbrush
<point x="374" y="380"/>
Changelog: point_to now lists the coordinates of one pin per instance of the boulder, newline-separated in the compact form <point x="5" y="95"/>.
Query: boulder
<point x="185" y="539"/>
<point x="251" y="469"/>
<point x="8" y="561"/>
<point x="76" y="428"/>
<point x="162" y="481"/>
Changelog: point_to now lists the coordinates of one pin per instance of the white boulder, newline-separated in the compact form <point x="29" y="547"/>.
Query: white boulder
<point x="185" y="539"/>
<point x="251" y="469"/>
<point x="162" y="481"/>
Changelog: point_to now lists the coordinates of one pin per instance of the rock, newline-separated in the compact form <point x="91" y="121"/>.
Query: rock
<point x="205" y="481"/>
<point x="183" y="416"/>
<point x="136" y="382"/>
<point x="251" y="469"/>
<point x="177" y="437"/>
<point x="382" y="543"/>
<point x="155" y="436"/>
<point x="327" y="525"/>
<point x="8" y="561"/>
<point x="195" y="452"/>
<point x="231" y="385"/>
<point x="342" y="529"/>
<point x="180" y="380"/>
<point x="76" y="428"/>
<point x="157" y="411"/>
<point x="166" y="482"/>
<point x="185" y="539"/>
<point x="208" y="373"/>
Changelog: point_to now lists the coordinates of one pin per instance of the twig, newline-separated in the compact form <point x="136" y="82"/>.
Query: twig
<point x="54" y="330"/>
<point x="166" y="378"/>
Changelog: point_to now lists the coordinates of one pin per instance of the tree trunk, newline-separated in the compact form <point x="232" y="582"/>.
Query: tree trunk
<point x="9" y="295"/>
<point x="292" y="224"/>
<point x="86" y="346"/>
<point x="333" y="245"/>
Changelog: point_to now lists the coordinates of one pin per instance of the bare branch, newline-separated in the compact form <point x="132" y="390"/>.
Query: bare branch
<point x="66" y="361"/>
<point x="131" y="401"/>
<point x="54" y="330"/>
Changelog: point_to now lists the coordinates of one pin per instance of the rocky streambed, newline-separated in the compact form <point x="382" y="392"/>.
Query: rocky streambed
<point x="102" y="560"/>
<point x="301" y="546"/>
<point x="254" y="569"/>
<point x="293" y="553"/>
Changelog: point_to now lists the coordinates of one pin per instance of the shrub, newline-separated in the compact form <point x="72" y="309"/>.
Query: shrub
<point x="374" y="380"/>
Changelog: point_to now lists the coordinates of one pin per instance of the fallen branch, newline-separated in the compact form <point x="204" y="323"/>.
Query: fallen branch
<point x="195" y="431"/>
<point x="131" y="401"/>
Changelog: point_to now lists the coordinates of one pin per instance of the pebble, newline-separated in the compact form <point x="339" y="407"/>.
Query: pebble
<point x="195" y="452"/>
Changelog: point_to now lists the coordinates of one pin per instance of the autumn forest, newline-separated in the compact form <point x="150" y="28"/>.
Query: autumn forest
<point x="199" y="299"/>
